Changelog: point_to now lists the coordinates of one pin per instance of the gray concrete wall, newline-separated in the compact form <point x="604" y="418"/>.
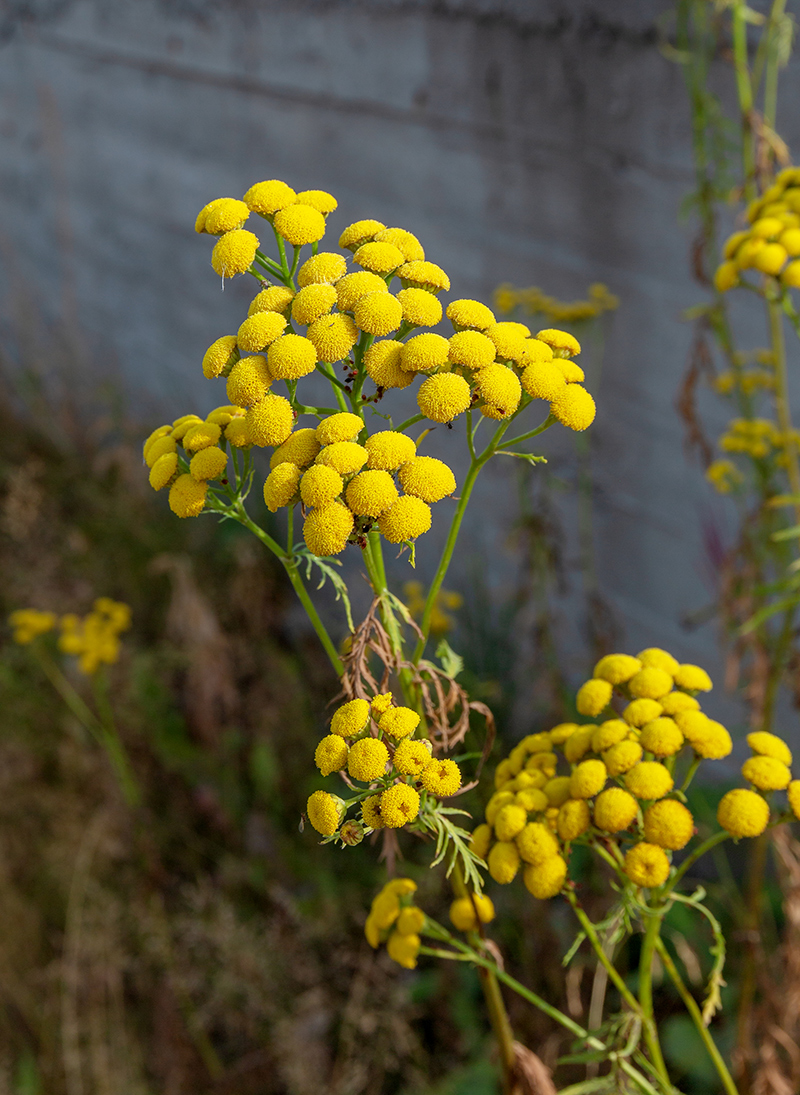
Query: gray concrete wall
<point x="534" y="142"/>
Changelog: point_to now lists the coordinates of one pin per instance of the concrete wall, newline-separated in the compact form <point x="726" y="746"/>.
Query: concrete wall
<point x="533" y="142"/>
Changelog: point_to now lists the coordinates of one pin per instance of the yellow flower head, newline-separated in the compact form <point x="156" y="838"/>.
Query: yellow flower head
<point x="574" y="818"/>
<point x="407" y="519"/>
<point x="325" y="812"/>
<point x="381" y="258"/>
<point x="300" y="224"/>
<point x="593" y="697"/>
<point x="712" y="741"/>
<point x="346" y="457"/>
<point x="350" y="719"/>
<point x="471" y="349"/>
<point x="441" y="777"/>
<point x="208" y="464"/>
<point x="770" y="258"/>
<point x="236" y="434"/>
<point x="270" y="421"/>
<point x="249" y="381"/>
<point x="617" y="668"/>
<point x="543" y="381"/>
<point x="470" y="313"/>
<point x="371" y="493"/>
<point x="389" y="450"/>
<point x="312" y="302"/>
<point x="693" y="679"/>
<point x="320" y="200"/>
<point x="353" y="287"/>
<point x="638" y="712"/>
<point x="326" y="530"/>
<point x="578" y="743"/>
<point x="676" y="702"/>
<point x="650" y="683"/>
<point x="793" y="794"/>
<point x="382" y="365"/>
<point x="181" y="426"/>
<point x="503" y="862"/>
<point x="546" y="879"/>
<point x="399" y="805"/>
<point x="163" y="471"/>
<point x="322" y="269"/>
<point x="367" y="759"/>
<point x="561" y="343"/>
<point x="424" y="352"/>
<point x="669" y="824"/>
<point x="291" y="356"/>
<point x="201" y="436"/>
<point x="621" y="758"/>
<point x="371" y="812"/>
<point x="510" y="820"/>
<point x="359" y="232"/>
<point x="224" y="215"/>
<point x="160" y="447"/>
<point x="234" y="253"/>
<point x="200" y="222"/>
<point x="495" y="804"/>
<point x="427" y="478"/>
<point x="766" y="773"/>
<point x="156" y="435"/>
<point x="218" y="356"/>
<point x="770" y="745"/>
<point x="726" y="276"/>
<point x="320" y="485"/>
<point x="381" y="703"/>
<point x="608" y="734"/>
<point x="281" y="486"/>
<point x="532" y="800"/>
<point x="187" y="496"/>
<point x="662" y="737"/>
<point x="791" y="275"/>
<point x="410" y="757"/>
<point x="615" y="810"/>
<point x="743" y="813"/>
<point x="572" y="373"/>
<point x="339" y="427"/>
<point x="399" y="722"/>
<point x="443" y="397"/>
<point x="29" y="623"/>
<point x="481" y="841"/>
<point x="647" y="865"/>
<point x="425" y="275"/>
<point x="588" y="778"/>
<point x="331" y="754"/>
<point x="464" y="909"/>
<point x="574" y="408"/>
<point x="378" y="313"/>
<point x="301" y="448"/>
<point x="276" y="298"/>
<point x="333" y="336"/>
<point x="270" y="196"/>
<point x="259" y="330"/>
<point x="404" y="241"/>
<point x="649" y="780"/>
<point x="420" y="308"/>
<point x="655" y="658"/>
<point x="509" y="340"/>
<point x="403" y="949"/>
<point x="410" y="921"/>
<point x="499" y="387"/>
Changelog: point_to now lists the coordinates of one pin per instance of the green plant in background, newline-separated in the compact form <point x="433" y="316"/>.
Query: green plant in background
<point x="737" y="158"/>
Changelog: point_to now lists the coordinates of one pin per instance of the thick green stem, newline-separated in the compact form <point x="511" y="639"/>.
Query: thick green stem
<point x="697" y="1018"/>
<point x="314" y="617"/>
<point x="744" y="90"/>
<point x="652" y="929"/>
<point x="603" y="958"/>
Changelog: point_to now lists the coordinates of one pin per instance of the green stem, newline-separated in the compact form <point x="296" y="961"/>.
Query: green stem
<point x="113" y="743"/>
<point x="652" y="929"/>
<point x="597" y="947"/>
<point x="771" y="77"/>
<point x="744" y="90"/>
<point x="548" y="422"/>
<point x="409" y="422"/>
<point x="697" y="1018"/>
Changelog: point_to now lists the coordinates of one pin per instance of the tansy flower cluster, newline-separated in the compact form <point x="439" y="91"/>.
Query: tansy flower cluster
<point x="746" y="811"/>
<point x="611" y="780"/>
<point x="771" y="243"/>
<point x="533" y="301"/>
<point x="93" y="639"/>
<point x="366" y="335"/>
<point x="395" y="920"/>
<point x="758" y="438"/>
<point x="373" y="743"/>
